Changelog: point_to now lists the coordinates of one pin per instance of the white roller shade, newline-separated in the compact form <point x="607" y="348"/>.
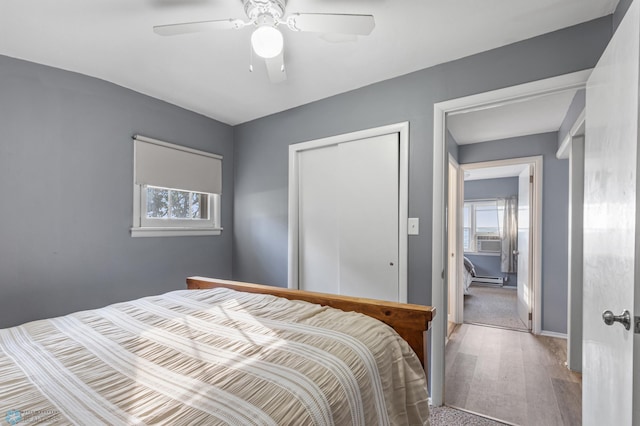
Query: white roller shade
<point x="167" y="165"/>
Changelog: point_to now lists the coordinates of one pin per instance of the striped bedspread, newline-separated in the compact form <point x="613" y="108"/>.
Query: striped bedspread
<point x="210" y="357"/>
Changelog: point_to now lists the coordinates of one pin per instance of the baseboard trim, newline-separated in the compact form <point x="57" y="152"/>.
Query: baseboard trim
<point x="553" y="334"/>
<point x="480" y="324"/>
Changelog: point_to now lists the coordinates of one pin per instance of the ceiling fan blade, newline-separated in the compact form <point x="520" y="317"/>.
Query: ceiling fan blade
<point x="331" y="23"/>
<point x="275" y="68"/>
<point x="196" y="27"/>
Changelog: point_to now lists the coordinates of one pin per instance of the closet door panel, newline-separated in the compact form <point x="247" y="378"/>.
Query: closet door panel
<point x="318" y="244"/>
<point x="368" y="217"/>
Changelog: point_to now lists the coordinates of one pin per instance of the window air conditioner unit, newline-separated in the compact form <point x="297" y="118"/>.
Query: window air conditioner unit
<point x="488" y="244"/>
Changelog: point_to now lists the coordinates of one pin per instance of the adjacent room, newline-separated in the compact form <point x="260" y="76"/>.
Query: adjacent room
<point x="239" y="212"/>
<point x="513" y="173"/>
<point x="490" y="231"/>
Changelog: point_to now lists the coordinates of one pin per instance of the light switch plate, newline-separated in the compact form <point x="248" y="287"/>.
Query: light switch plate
<point x="414" y="226"/>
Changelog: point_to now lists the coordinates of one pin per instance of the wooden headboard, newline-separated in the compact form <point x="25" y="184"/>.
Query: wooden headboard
<point x="410" y="321"/>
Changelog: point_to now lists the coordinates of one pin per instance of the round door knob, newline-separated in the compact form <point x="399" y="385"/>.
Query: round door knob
<point x="625" y="318"/>
<point x="608" y="317"/>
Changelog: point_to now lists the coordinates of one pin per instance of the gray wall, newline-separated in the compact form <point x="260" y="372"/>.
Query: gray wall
<point x="489" y="188"/>
<point x="620" y="11"/>
<point x="555" y="214"/>
<point x="577" y="105"/>
<point x="487" y="265"/>
<point x="261" y="146"/>
<point x="452" y="145"/>
<point x="66" y="178"/>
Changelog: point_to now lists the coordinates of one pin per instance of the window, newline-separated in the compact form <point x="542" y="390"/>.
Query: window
<point x="176" y="190"/>
<point x="166" y="207"/>
<point x="482" y="226"/>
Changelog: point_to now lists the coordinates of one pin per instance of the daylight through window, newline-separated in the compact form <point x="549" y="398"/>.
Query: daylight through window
<point x="482" y="226"/>
<point x="165" y="203"/>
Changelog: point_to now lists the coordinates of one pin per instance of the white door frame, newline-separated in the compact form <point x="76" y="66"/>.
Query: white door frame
<point x="455" y="289"/>
<point x="572" y="81"/>
<point x="572" y="149"/>
<point x="575" y="258"/>
<point x="403" y="200"/>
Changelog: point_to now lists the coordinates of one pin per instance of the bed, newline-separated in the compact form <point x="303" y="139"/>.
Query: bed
<point x="468" y="274"/>
<point x="229" y="353"/>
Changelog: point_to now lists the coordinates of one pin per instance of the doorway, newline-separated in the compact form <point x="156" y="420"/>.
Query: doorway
<point x="512" y="95"/>
<point x="337" y="245"/>
<point x="498" y="374"/>
<point x="499" y="234"/>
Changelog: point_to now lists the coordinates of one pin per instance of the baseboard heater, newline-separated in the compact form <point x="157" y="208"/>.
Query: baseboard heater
<point x="490" y="281"/>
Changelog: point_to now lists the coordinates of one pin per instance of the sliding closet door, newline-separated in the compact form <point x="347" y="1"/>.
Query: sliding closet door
<point x="368" y="212"/>
<point x="348" y="218"/>
<point x="319" y="244"/>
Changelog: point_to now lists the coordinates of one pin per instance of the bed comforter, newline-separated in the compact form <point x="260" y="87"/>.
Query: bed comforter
<point x="210" y="357"/>
<point x="468" y="273"/>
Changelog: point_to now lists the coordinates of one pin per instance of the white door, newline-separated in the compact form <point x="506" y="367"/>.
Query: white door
<point x="524" y="258"/>
<point x="611" y="376"/>
<point x="349" y="219"/>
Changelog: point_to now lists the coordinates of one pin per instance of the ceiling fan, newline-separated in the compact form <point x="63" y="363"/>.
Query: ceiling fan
<point x="266" y="17"/>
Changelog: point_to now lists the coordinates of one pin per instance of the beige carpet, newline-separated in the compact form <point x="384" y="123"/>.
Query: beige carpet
<point x="447" y="416"/>
<point x="492" y="306"/>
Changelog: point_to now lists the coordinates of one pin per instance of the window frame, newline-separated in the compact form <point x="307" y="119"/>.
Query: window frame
<point x="168" y="227"/>
<point x="213" y="211"/>
<point x="473" y="234"/>
<point x="173" y="227"/>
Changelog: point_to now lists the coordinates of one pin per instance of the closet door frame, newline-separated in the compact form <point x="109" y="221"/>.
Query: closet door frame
<point x="402" y="129"/>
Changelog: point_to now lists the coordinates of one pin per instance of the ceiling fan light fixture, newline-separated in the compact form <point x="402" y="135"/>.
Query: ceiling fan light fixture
<point x="267" y="41"/>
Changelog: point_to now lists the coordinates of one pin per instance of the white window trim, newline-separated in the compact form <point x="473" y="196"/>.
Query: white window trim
<point x="184" y="227"/>
<point x="191" y="228"/>
<point x="473" y="249"/>
<point x="213" y="208"/>
<point x="173" y="232"/>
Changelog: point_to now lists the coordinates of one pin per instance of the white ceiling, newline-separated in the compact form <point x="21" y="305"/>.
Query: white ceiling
<point x="208" y="72"/>
<point x="538" y="115"/>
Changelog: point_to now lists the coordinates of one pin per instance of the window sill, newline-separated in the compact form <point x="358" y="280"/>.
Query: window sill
<point x="174" y="232"/>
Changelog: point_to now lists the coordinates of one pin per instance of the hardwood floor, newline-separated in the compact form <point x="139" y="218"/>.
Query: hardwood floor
<point x="511" y="376"/>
